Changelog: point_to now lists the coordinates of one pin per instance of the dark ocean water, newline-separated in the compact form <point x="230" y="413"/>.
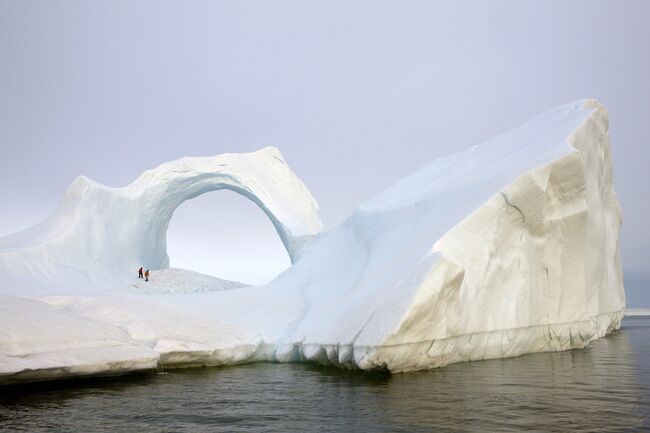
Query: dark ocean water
<point x="605" y="387"/>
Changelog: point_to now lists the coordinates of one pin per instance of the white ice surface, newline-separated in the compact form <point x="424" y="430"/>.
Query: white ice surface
<point x="173" y="280"/>
<point x="506" y="248"/>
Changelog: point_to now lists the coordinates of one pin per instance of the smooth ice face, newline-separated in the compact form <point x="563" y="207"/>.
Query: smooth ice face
<point x="507" y="248"/>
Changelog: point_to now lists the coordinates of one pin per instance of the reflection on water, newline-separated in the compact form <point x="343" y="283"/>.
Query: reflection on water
<point x="605" y="387"/>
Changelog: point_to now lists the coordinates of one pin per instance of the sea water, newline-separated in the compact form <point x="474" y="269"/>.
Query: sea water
<point x="604" y="387"/>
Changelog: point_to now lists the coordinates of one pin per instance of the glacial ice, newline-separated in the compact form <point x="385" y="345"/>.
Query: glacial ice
<point x="506" y="248"/>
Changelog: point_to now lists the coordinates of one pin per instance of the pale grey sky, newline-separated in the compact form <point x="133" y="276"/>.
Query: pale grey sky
<point x="356" y="95"/>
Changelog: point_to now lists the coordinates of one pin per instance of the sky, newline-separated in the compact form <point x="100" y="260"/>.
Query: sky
<point x="356" y="95"/>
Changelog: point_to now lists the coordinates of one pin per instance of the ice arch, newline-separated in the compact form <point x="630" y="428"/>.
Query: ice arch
<point x="96" y="226"/>
<point x="262" y="177"/>
<point x="227" y="236"/>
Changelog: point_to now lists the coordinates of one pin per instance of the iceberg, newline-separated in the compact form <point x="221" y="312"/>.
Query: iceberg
<point x="506" y="248"/>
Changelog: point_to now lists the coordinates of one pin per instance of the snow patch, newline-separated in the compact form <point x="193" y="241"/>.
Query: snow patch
<point x="174" y="280"/>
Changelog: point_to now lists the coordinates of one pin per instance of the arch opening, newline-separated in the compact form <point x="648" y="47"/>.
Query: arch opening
<point x="226" y="235"/>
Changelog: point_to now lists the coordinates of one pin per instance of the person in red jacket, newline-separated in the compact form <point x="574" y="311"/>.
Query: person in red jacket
<point x="140" y="272"/>
<point x="146" y="275"/>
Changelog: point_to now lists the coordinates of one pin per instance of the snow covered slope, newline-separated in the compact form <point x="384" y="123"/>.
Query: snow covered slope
<point x="507" y="248"/>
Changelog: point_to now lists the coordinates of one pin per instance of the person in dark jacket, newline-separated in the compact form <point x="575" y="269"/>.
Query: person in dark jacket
<point x="140" y="272"/>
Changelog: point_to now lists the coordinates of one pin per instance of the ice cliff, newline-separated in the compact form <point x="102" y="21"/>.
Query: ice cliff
<point x="506" y="248"/>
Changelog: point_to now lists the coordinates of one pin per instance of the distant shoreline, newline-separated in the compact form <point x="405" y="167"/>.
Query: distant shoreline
<point x="637" y="312"/>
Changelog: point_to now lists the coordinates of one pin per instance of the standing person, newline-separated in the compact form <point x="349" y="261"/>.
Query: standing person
<point x="140" y="272"/>
<point x="146" y="275"/>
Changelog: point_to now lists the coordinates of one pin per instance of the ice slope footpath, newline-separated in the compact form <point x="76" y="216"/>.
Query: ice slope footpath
<point x="509" y="247"/>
